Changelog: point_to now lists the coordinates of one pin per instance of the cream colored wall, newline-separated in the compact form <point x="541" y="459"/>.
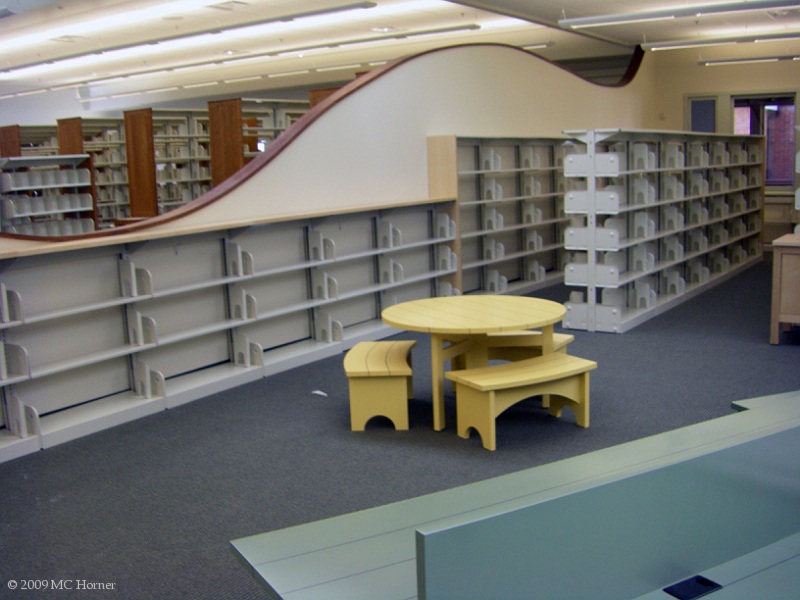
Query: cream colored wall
<point x="679" y="76"/>
<point x="371" y="147"/>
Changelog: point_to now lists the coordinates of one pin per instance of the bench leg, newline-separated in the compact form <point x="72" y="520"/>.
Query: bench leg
<point x="379" y="397"/>
<point x="574" y="393"/>
<point x="475" y="410"/>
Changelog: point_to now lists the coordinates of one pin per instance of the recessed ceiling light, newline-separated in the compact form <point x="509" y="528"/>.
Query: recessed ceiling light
<point x="70" y="39"/>
<point x="229" y="6"/>
<point x="385" y="29"/>
<point x="288" y="74"/>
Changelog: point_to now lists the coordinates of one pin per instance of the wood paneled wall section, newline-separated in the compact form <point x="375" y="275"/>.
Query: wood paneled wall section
<point x="226" y="139"/>
<point x="141" y="163"/>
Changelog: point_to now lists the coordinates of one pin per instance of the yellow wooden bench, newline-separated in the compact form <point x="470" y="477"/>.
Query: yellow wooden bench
<point x="484" y="393"/>
<point x="519" y="345"/>
<point x="379" y="376"/>
<point x="515" y="345"/>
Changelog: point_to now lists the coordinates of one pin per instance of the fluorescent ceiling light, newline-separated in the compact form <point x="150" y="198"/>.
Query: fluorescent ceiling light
<point x="316" y="18"/>
<point x="104" y="61"/>
<point x="98" y="69"/>
<point x="31" y="92"/>
<point x="684" y="45"/>
<point x="338" y="68"/>
<point x="69" y="86"/>
<point x="741" y="39"/>
<point x="286" y="52"/>
<point x="674" y="13"/>
<point x="783" y="37"/>
<point x="122" y="19"/>
<point x="616" y="20"/>
<point x="249" y="58"/>
<point x="241" y="79"/>
<point x="744" y="61"/>
<point x="189" y="86"/>
<point x="538" y="46"/>
<point x="288" y="74"/>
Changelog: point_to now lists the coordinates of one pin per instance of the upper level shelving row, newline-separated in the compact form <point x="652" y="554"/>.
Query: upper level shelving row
<point x="179" y="152"/>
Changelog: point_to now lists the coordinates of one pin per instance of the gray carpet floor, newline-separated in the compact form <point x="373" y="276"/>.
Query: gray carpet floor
<point x="151" y="506"/>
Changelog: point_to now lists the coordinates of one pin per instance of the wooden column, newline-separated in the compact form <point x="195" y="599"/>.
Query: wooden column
<point x="141" y="163"/>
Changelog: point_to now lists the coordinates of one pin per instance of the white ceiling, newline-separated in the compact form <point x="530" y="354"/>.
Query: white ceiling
<point x="308" y="52"/>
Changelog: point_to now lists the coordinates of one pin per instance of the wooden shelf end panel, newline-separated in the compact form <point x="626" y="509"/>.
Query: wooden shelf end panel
<point x="141" y="163"/>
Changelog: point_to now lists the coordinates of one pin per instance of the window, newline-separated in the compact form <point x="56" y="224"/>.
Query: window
<point x="774" y="117"/>
<point x="704" y="115"/>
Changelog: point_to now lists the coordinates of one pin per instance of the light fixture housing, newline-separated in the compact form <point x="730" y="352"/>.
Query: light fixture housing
<point x="674" y="13"/>
<point x="538" y="45"/>
<point x="342" y="8"/>
<point x="750" y="60"/>
<point x="722" y="41"/>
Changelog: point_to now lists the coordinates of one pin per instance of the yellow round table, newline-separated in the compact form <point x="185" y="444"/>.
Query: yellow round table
<point x="458" y="326"/>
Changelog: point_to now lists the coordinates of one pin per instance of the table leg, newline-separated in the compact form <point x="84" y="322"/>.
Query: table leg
<point x="547" y="348"/>
<point x="440" y="354"/>
<point x="774" y="325"/>
<point x="547" y="339"/>
<point x="437" y="379"/>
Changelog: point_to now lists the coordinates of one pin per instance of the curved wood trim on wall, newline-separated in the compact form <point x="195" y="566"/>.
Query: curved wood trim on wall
<point x="289" y="135"/>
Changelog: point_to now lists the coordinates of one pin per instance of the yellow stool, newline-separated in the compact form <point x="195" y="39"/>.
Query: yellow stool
<point x="379" y="376"/>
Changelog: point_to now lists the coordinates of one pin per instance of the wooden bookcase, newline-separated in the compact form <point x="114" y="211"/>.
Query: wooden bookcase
<point x="241" y="129"/>
<point x="510" y="220"/>
<point x="130" y="328"/>
<point x="665" y="215"/>
<point x="168" y="159"/>
<point x="183" y="158"/>
<point x="264" y="120"/>
<point x="103" y="139"/>
<point x="29" y="140"/>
